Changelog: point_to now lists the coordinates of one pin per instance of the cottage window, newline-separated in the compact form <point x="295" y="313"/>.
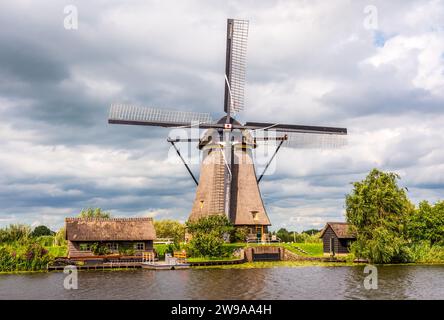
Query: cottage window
<point x="113" y="246"/>
<point x="85" y="247"/>
<point x="139" y="246"/>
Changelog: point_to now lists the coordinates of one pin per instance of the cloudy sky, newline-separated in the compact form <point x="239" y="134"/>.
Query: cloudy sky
<point x="378" y="70"/>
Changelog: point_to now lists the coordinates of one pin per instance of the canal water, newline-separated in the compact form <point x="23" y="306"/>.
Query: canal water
<point x="394" y="282"/>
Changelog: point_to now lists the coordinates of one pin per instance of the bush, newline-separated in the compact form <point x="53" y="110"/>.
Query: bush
<point x="126" y="251"/>
<point x="208" y="235"/>
<point x="206" y="245"/>
<point x="46" y="241"/>
<point x="99" y="249"/>
<point x="24" y="257"/>
<point x="239" y="234"/>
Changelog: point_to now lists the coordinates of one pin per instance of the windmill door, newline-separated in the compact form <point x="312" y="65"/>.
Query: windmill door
<point x="259" y="233"/>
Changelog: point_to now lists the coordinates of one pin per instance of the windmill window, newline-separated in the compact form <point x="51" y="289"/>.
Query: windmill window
<point x="254" y="215"/>
<point x="201" y="204"/>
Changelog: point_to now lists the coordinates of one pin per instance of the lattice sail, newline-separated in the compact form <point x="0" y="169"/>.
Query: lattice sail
<point x="129" y="114"/>
<point x="314" y="141"/>
<point x="301" y="140"/>
<point x="237" y="36"/>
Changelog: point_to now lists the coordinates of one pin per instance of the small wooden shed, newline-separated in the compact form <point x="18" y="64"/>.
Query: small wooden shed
<point x="134" y="235"/>
<point x="337" y="237"/>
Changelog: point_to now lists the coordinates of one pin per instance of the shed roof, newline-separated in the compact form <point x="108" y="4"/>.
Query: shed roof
<point x="113" y="229"/>
<point x="341" y="230"/>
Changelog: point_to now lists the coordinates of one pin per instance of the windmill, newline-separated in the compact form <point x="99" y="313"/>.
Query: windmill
<point x="228" y="183"/>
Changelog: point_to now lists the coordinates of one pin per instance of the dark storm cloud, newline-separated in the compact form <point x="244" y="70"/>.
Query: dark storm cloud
<point x="310" y="63"/>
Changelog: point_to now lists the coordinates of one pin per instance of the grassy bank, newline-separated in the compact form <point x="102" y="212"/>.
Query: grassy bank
<point x="302" y="249"/>
<point x="33" y="255"/>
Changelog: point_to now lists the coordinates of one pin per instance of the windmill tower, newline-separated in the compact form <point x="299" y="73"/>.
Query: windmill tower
<point x="228" y="183"/>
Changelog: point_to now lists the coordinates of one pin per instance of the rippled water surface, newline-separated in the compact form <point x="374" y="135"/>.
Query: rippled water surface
<point x="395" y="282"/>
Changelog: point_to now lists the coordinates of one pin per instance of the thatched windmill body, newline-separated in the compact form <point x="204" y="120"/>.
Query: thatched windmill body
<point x="228" y="183"/>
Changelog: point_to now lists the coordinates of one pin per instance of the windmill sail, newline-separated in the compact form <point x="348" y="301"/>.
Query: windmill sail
<point x="299" y="136"/>
<point x="135" y="115"/>
<point x="300" y="140"/>
<point x="237" y="35"/>
<point x="294" y="128"/>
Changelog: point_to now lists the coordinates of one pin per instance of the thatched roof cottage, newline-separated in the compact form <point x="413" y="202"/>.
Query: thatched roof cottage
<point x="119" y="235"/>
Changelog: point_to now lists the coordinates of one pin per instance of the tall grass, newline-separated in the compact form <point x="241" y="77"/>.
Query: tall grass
<point x="19" y="251"/>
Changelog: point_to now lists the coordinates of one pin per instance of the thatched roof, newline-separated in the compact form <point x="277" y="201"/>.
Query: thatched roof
<point x="341" y="230"/>
<point x="114" y="229"/>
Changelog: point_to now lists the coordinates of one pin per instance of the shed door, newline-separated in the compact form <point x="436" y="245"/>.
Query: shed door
<point x="332" y="246"/>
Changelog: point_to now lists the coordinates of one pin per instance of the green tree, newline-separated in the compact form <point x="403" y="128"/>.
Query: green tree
<point x="170" y="229"/>
<point x="41" y="231"/>
<point x="284" y="235"/>
<point x="208" y="235"/>
<point x="427" y="223"/>
<point x="378" y="210"/>
<point x="94" y="213"/>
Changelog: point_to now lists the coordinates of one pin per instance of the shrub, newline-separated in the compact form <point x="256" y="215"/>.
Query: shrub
<point x="126" y="250"/>
<point x="239" y="234"/>
<point x="25" y="257"/>
<point x="45" y="241"/>
<point x="208" y="235"/>
<point x="99" y="249"/>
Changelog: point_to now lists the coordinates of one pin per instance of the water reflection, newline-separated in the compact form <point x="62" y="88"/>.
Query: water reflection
<point x="395" y="282"/>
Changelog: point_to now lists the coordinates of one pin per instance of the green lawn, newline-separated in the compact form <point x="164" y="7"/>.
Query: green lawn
<point x="312" y="249"/>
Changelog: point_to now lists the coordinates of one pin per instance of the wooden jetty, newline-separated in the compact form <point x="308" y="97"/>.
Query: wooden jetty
<point x="101" y="266"/>
<point x="171" y="263"/>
